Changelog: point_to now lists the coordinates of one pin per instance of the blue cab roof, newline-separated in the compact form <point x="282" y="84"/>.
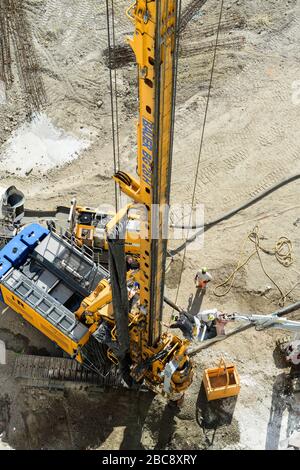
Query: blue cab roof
<point x="17" y="250"/>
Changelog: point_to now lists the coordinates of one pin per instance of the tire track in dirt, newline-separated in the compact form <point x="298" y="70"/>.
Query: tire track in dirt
<point x="264" y="183"/>
<point x="189" y="12"/>
<point x="68" y="60"/>
<point x="6" y="74"/>
<point x="17" y="44"/>
<point x="209" y="173"/>
<point x="121" y="55"/>
<point x="269" y="135"/>
<point x="279" y="168"/>
<point x="209" y="176"/>
<point x="55" y="82"/>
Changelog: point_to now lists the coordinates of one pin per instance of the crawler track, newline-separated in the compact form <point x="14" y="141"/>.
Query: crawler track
<point x="55" y="372"/>
<point x="189" y="12"/>
<point x="192" y="49"/>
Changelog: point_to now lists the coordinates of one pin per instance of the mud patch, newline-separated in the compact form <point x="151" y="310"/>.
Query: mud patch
<point x="39" y="146"/>
<point x="37" y="423"/>
<point x="216" y="420"/>
<point x="76" y="420"/>
<point x="20" y="344"/>
<point x="4" y="416"/>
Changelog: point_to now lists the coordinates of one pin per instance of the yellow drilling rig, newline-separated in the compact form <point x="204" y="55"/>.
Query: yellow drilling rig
<point x="96" y="315"/>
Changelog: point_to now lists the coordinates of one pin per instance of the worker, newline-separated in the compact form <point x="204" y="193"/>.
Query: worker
<point x="196" y="327"/>
<point x="212" y="323"/>
<point x="293" y="352"/>
<point x="185" y="322"/>
<point x="202" y="278"/>
<point x="205" y="325"/>
<point x="131" y="263"/>
<point x="133" y="294"/>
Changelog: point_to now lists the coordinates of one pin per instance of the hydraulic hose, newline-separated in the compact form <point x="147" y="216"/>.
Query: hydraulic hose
<point x="172" y="304"/>
<point x="43" y="213"/>
<point x="202" y="228"/>
<point x="286" y="310"/>
<point x="247" y="204"/>
<point x="227" y="215"/>
<point x="280" y="313"/>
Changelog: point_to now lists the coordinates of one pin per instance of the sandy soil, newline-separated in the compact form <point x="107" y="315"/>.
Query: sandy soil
<point x="251" y="142"/>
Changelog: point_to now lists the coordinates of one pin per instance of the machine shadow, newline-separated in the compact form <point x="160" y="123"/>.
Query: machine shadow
<point x="284" y="399"/>
<point x="108" y="420"/>
<point x="195" y="301"/>
<point x="167" y="426"/>
<point x="127" y="410"/>
<point x="211" y="415"/>
<point x="134" y="427"/>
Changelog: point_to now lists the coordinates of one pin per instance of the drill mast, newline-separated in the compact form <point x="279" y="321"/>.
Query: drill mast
<point x="154" y="45"/>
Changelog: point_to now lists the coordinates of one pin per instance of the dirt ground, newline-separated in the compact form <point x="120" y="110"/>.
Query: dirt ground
<point x="59" y="69"/>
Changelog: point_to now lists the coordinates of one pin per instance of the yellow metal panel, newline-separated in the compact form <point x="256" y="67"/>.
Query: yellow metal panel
<point x="154" y="163"/>
<point x="221" y="382"/>
<point x="40" y="323"/>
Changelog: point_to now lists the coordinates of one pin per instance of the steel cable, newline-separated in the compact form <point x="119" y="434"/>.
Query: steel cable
<point x="112" y="98"/>
<point x="201" y="140"/>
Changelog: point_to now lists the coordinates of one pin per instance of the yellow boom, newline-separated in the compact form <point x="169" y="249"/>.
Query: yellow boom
<point x="153" y="44"/>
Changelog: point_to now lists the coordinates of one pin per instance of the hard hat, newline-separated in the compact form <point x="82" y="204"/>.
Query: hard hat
<point x="204" y="270"/>
<point x="211" y="317"/>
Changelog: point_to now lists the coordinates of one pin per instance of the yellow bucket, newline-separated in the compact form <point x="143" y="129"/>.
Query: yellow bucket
<point x="221" y="382"/>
